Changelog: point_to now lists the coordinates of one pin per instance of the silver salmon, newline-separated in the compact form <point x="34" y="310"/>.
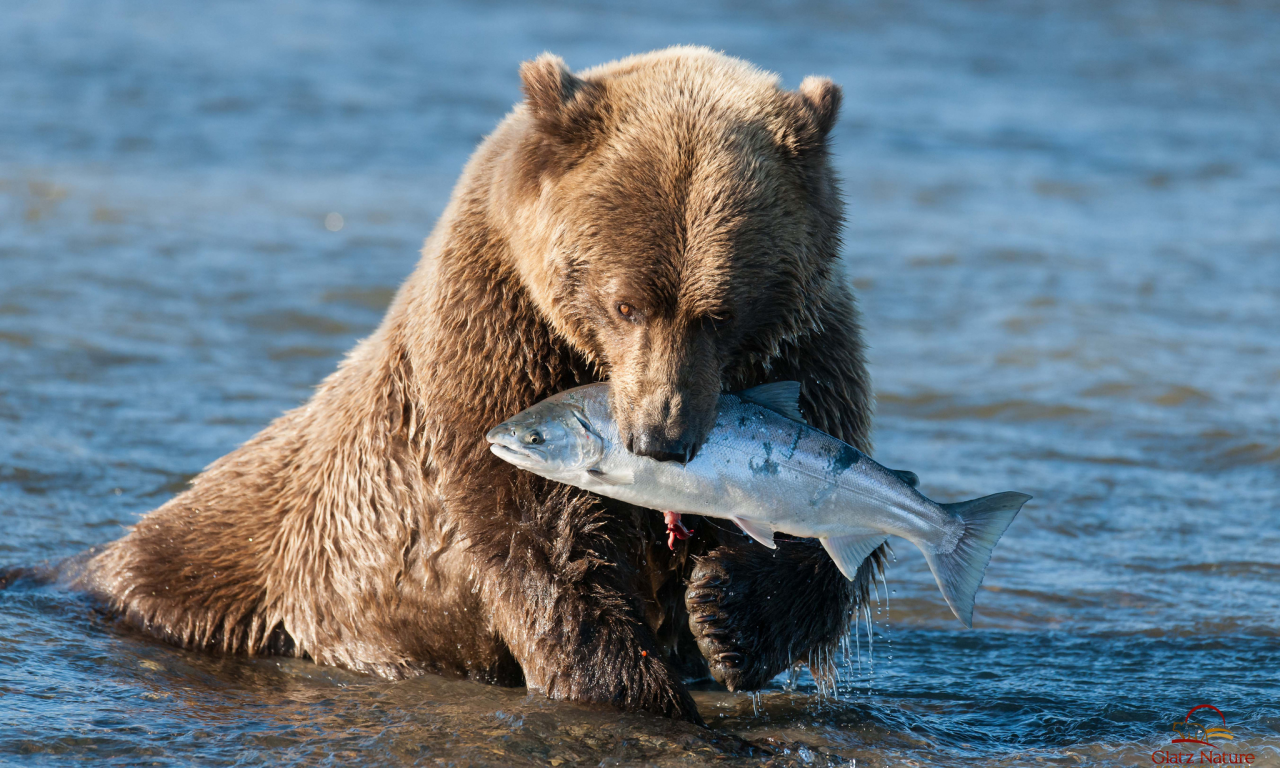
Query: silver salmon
<point x="766" y="470"/>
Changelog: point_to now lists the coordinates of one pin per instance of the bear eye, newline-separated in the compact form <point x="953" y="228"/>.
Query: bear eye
<point x="627" y="311"/>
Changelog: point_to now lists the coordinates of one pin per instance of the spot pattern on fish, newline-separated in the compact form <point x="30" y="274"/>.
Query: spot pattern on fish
<point x="765" y="466"/>
<point x="795" y="444"/>
<point x="846" y="457"/>
<point x="823" y="493"/>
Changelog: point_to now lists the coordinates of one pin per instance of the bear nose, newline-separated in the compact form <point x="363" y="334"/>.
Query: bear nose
<point x="656" y="446"/>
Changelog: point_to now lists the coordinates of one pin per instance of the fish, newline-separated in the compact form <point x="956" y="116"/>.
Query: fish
<point x="764" y="468"/>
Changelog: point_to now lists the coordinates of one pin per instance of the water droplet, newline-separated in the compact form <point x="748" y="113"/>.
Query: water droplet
<point x="333" y="222"/>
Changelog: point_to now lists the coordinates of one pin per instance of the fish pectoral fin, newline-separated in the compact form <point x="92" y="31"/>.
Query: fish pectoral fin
<point x="622" y="477"/>
<point x="782" y="397"/>
<point x="850" y="551"/>
<point x="906" y="476"/>
<point x="761" y="532"/>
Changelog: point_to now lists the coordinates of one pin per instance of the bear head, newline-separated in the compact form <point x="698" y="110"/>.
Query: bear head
<point x="680" y="221"/>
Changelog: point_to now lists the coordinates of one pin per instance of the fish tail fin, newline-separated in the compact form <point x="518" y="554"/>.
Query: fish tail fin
<point x="960" y="571"/>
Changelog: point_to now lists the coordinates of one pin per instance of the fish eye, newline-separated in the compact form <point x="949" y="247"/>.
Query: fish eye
<point x="534" y="437"/>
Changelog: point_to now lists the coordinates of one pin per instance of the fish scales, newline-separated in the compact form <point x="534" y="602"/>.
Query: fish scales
<point x="755" y="462"/>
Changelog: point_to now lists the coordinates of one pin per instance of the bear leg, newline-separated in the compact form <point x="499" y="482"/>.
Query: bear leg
<point x="755" y="611"/>
<point x="564" y="601"/>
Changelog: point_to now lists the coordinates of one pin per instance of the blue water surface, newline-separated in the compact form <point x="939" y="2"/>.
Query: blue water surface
<point x="1063" y="227"/>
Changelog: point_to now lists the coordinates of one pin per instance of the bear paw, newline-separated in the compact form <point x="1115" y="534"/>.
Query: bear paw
<point x="729" y="624"/>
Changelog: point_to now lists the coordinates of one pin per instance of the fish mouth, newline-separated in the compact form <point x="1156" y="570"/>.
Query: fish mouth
<point x="514" y="456"/>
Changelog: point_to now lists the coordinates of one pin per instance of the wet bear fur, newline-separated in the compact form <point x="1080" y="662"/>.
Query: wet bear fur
<point x="669" y="222"/>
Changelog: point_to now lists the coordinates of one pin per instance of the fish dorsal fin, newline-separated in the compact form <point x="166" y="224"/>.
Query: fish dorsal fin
<point x="761" y="532"/>
<point x="850" y="551"/>
<point x="906" y="476"/>
<point x="623" y="477"/>
<point x="781" y="397"/>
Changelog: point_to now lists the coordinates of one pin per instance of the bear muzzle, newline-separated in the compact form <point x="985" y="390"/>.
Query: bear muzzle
<point x="654" y="444"/>
<point x="671" y="427"/>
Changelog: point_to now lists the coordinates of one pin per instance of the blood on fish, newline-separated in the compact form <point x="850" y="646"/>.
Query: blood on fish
<point x="675" y="529"/>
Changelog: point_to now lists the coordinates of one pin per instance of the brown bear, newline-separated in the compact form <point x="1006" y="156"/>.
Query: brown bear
<point x="669" y="222"/>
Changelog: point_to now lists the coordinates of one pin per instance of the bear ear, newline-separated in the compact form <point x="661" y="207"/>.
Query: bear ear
<point x="821" y="99"/>
<point x="562" y="103"/>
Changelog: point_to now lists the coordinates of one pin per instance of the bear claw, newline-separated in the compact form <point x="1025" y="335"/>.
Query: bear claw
<point x="703" y="597"/>
<point x="753" y="611"/>
<point x="725" y="636"/>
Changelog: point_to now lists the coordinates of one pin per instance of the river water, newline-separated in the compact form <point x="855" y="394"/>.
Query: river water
<point x="1064" y="229"/>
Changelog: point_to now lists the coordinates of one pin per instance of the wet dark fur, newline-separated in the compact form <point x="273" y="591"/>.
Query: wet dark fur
<point x="371" y="528"/>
